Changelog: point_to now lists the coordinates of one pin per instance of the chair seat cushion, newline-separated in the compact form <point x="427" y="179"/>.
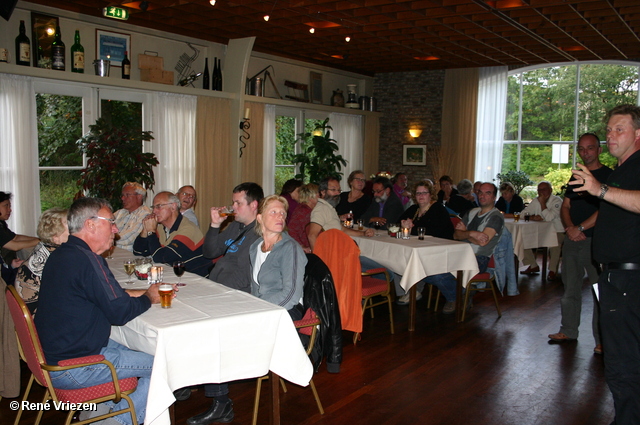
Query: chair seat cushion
<point x="482" y="277"/>
<point x="372" y="286"/>
<point x="81" y="395"/>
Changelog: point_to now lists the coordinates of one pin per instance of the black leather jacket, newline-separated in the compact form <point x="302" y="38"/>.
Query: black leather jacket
<point x="320" y="295"/>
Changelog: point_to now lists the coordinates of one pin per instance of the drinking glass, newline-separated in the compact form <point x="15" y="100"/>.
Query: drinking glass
<point x="516" y="216"/>
<point x="129" y="268"/>
<point x="421" y="231"/>
<point x="360" y="224"/>
<point x="178" y="269"/>
<point x="226" y="211"/>
<point x="376" y="225"/>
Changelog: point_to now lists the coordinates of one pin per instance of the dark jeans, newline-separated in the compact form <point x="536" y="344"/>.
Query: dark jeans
<point x="620" y="326"/>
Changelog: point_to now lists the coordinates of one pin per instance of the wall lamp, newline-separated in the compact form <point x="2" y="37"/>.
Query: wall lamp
<point x="415" y="132"/>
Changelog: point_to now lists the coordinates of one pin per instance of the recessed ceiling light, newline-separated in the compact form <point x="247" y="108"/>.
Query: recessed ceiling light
<point x="266" y="18"/>
<point x="212" y="2"/>
<point x="312" y="30"/>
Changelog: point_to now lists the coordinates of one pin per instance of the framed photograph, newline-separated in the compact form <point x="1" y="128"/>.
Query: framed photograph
<point x="112" y="45"/>
<point x="43" y="31"/>
<point x="414" y="154"/>
<point x="316" y="87"/>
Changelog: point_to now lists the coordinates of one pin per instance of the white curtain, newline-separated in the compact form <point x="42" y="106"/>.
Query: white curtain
<point x="269" y="149"/>
<point x="347" y="131"/>
<point x="19" y="152"/>
<point x="174" y="131"/>
<point x="492" y="104"/>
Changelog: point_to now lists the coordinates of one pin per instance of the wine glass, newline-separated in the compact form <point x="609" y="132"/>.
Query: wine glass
<point x="129" y="268"/>
<point x="376" y="225"/>
<point x="178" y="269"/>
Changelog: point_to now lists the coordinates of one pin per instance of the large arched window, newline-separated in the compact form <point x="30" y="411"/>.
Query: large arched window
<point x="549" y="108"/>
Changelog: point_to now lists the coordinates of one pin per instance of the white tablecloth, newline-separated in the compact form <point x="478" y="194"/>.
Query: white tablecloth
<point x="212" y="334"/>
<point x="415" y="259"/>
<point x="531" y="234"/>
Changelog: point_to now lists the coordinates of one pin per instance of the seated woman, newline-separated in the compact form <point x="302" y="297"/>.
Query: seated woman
<point x="11" y="241"/>
<point x="52" y="231"/>
<point x="355" y="200"/>
<point x="308" y="196"/>
<point x="509" y="202"/>
<point x="290" y="190"/>
<point x="277" y="261"/>
<point x="427" y="213"/>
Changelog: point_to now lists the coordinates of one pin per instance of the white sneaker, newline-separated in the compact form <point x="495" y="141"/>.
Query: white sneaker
<point x="404" y="300"/>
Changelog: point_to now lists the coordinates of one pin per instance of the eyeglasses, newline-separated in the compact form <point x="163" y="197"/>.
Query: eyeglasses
<point x="422" y="193"/>
<point x="334" y="190"/>
<point x="378" y="191"/>
<point x="187" y="195"/>
<point x="112" y="221"/>
<point x="158" y="206"/>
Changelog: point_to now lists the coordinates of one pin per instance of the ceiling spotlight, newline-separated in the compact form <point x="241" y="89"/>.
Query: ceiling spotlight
<point x="312" y="30"/>
<point x="213" y="2"/>
<point x="266" y="18"/>
<point x="347" y="39"/>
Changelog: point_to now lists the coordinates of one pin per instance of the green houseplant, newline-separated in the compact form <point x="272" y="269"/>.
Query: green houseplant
<point x="519" y="179"/>
<point x="114" y="157"/>
<point x="318" y="159"/>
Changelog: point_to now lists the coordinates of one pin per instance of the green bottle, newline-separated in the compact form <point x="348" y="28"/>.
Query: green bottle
<point x="77" y="55"/>
<point x="58" y="51"/>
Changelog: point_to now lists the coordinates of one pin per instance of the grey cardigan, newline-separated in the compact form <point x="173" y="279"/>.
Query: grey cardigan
<point x="281" y="277"/>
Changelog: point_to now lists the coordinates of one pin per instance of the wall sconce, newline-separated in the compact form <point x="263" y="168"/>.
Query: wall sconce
<point x="415" y="132"/>
<point x="245" y="125"/>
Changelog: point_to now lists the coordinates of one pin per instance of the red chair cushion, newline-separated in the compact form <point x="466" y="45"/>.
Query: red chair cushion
<point x="482" y="277"/>
<point x="81" y="360"/>
<point x="81" y="395"/>
<point x="371" y="286"/>
<point x="304" y="325"/>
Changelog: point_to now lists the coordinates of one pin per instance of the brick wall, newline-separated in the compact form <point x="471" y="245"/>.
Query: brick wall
<point x="408" y="100"/>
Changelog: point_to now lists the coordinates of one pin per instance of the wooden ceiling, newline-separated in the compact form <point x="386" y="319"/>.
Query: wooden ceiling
<point x="401" y="35"/>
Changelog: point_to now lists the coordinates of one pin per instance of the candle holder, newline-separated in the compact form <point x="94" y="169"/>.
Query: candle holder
<point x="405" y="233"/>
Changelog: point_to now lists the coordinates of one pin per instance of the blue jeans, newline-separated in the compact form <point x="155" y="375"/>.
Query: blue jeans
<point x="128" y="363"/>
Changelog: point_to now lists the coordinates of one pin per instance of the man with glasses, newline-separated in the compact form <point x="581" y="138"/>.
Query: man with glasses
<point x="129" y="218"/>
<point x="324" y="215"/>
<point x="188" y="198"/>
<point x="167" y="236"/>
<point x="80" y="300"/>
<point x="387" y="207"/>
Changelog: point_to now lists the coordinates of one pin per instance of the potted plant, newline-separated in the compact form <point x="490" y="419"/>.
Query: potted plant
<point x="318" y="159"/>
<point x="519" y="179"/>
<point x="114" y="157"/>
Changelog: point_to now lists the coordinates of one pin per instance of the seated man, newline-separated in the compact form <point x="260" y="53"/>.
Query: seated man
<point x="546" y="207"/>
<point x="509" y="202"/>
<point x="463" y="201"/>
<point x="481" y="227"/>
<point x="387" y="207"/>
<point x="167" y="236"/>
<point x="188" y="199"/>
<point x="80" y="300"/>
<point x="129" y="217"/>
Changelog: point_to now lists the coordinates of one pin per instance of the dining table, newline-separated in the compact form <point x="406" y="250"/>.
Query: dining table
<point x="530" y="235"/>
<point x="211" y="334"/>
<point x="415" y="259"/>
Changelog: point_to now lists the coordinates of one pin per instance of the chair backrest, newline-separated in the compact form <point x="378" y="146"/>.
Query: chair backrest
<point x="27" y="336"/>
<point x="340" y="253"/>
<point x="455" y="220"/>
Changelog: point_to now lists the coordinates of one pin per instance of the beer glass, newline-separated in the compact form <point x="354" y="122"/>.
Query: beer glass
<point x="166" y="295"/>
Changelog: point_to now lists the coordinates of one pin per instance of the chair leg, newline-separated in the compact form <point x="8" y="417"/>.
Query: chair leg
<point x="256" y="402"/>
<point x="316" y="396"/>
<point x="466" y="301"/>
<point x="429" y="298"/>
<point x="26" y="394"/>
<point x="390" y="313"/>
<point x="435" y="308"/>
<point x="40" y="412"/>
<point x="495" y="296"/>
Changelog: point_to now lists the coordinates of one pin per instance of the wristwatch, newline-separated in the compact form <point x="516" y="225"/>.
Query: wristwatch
<point x="603" y="191"/>
<point x="581" y="228"/>
<point x="149" y="233"/>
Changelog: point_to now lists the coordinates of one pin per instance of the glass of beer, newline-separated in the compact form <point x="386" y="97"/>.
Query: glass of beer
<point x="516" y="216"/>
<point x="129" y="268"/>
<point x="226" y="211"/>
<point x="166" y="295"/>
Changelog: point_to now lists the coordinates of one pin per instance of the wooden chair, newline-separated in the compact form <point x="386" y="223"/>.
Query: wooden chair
<point x="372" y="287"/>
<point x="308" y="325"/>
<point x="30" y="347"/>
<point x="472" y="286"/>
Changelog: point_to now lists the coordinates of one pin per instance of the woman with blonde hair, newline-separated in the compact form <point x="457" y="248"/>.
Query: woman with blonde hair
<point x="52" y="231"/>
<point x="277" y="261"/>
<point x="301" y="216"/>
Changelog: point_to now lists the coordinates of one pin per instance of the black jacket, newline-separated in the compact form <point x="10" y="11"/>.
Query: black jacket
<point x="320" y="295"/>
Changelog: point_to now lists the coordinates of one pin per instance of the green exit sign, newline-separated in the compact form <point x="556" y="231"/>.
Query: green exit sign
<point x="115" y="13"/>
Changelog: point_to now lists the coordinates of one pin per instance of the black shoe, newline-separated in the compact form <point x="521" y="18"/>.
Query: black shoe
<point x="218" y="412"/>
<point x="182" y="394"/>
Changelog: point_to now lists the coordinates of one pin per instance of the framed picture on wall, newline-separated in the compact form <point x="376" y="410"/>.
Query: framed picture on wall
<point x="414" y="154"/>
<point x="112" y="45"/>
<point x="43" y="30"/>
<point x="316" y="87"/>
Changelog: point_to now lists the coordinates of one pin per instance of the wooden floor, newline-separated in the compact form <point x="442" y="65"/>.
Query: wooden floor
<point x="484" y="371"/>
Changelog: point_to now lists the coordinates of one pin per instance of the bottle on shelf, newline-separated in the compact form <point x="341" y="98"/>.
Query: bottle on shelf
<point x="214" y="75"/>
<point x="58" y="51"/>
<point x="126" y="66"/>
<point x="77" y="55"/>
<point x="205" y="75"/>
<point x="23" y="47"/>
<point x="219" y="76"/>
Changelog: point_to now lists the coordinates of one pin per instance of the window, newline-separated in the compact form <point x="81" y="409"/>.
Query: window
<point x="552" y="106"/>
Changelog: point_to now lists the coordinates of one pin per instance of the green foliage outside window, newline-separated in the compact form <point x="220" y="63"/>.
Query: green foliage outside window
<point x="318" y="159"/>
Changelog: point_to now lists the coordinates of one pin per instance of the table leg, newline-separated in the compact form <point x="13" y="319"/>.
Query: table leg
<point x="545" y="250"/>
<point x="274" y="381"/>
<point x="459" y="302"/>
<point x="172" y="413"/>
<point x="412" y="308"/>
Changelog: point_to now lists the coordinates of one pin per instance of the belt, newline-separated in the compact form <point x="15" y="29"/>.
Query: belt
<point x="621" y="266"/>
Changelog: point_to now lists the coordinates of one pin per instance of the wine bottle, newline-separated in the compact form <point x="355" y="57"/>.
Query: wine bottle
<point x="214" y="75"/>
<point x="77" y="55"/>
<point x="23" y="47"/>
<point x="58" y="51"/>
<point x="205" y="75"/>
<point x="126" y="67"/>
<point x="219" y="76"/>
